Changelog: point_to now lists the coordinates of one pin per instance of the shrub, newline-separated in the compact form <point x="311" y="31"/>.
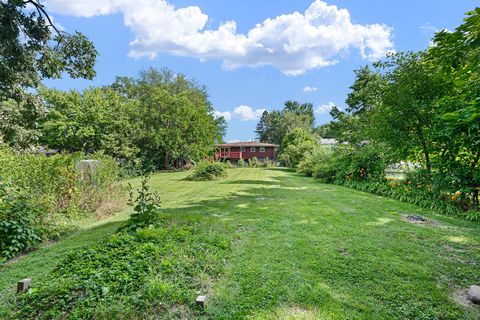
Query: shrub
<point x="358" y="164"/>
<point x="253" y="162"/>
<point x="267" y="163"/>
<point x="16" y="232"/>
<point x="145" y="204"/>
<point x="314" y="159"/>
<point x="56" y="195"/>
<point x="207" y="171"/>
<point x="241" y="163"/>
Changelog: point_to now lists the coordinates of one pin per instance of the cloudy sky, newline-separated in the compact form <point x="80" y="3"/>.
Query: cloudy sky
<point x="253" y="55"/>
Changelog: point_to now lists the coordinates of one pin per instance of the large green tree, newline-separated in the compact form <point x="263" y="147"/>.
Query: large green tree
<point x="458" y="114"/>
<point x="97" y="119"/>
<point x="273" y="126"/>
<point x="173" y="117"/>
<point x="33" y="48"/>
<point x="295" y="144"/>
<point x="424" y="107"/>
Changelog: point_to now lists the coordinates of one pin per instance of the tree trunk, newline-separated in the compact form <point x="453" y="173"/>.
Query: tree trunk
<point x="428" y="165"/>
<point x="475" y="198"/>
<point x="426" y="154"/>
<point x="166" y="161"/>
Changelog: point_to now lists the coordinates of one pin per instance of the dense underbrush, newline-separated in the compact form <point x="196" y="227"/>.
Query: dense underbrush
<point x="42" y="198"/>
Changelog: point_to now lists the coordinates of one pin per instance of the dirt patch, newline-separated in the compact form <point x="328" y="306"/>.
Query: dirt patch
<point x="416" y="219"/>
<point x="343" y="251"/>
<point x="294" y="313"/>
<point x="460" y="296"/>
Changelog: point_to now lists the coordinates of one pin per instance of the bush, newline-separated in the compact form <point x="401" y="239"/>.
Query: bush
<point x="241" y="163"/>
<point x="267" y="163"/>
<point x="208" y="171"/>
<point x="253" y="162"/>
<point x="314" y="159"/>
<point x="16" y="232"/>
<point x="56" y="194"/>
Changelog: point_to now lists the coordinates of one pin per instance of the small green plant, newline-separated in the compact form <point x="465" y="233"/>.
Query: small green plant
<point x="207" y="171"/>
<point x="145" y="204"/>
<point x="253" y="162"/>
<point x="241" y="163"/>
<point x="267" y="163"/>
<point x="229" y="164"/>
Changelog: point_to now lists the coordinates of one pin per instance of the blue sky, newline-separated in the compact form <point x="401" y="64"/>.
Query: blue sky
<point x="253" y="55"/>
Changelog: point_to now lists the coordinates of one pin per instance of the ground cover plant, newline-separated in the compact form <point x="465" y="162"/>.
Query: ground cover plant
<point x="282" y="246"/>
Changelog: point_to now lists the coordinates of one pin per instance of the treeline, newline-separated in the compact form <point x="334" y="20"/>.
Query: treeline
<point x="144" y="122"/>
<point x="421" y="108"/>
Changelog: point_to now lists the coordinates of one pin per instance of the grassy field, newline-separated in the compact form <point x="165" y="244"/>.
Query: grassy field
<point x="304" y="250"/>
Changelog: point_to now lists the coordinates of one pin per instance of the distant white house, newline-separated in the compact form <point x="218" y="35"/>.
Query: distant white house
<point x="327" y="142"/>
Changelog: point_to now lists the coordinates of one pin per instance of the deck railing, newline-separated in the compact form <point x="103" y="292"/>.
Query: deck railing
<point x="229" y="155"/>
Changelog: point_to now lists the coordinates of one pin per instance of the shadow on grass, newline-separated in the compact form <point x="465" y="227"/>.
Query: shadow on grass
<point x="277" y="263"/>
<point x="252" y="182"/>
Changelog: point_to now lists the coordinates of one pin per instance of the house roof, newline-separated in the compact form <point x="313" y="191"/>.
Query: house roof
<point x="247" y="144"/>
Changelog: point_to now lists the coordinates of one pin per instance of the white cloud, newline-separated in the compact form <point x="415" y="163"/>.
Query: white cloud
<point x="310" y="89"/>
<point x="293" y="43"/>
<point x="227" y="115"/>
<point x="325" y="108"/>
<point x="245" y="113"/>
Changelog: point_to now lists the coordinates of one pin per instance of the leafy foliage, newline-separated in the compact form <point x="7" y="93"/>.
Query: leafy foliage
<point x="315" y="161"/>
<point x="50" y="194"/>
<point x="241" y="163"/>
<point x="207" y="171"/>
<point x="32" y="48"/>
<point x="273" y="126"/>
<point x="294" y="146"/>
<point x="145" y="204"/>
<point x="253" y="162"/>
<point x="172" y="117"/>
<point x="423" y="107"/>
<point x="19" y="123"/>
<point x="16" y="232"/>
<point x="130" y="274"/>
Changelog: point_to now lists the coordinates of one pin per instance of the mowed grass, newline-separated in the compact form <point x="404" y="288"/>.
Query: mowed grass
<point x="305" y="250"/>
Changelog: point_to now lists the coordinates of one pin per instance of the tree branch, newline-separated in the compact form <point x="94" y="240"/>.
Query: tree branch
<point x="41" y="12"/>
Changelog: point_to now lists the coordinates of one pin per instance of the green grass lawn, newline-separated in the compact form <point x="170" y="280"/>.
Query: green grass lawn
<point x="303" y="250"/>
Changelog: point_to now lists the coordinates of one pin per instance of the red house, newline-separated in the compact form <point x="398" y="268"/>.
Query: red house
<point x="246" y="151"/>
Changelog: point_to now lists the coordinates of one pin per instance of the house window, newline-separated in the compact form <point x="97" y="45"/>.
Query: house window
<point x="262" y="149"/>
<point x="242" y="149"/>
<point x="252" y="149"/>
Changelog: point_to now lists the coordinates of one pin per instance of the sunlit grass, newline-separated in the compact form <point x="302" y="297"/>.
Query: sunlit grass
<point x="305" y="250"/>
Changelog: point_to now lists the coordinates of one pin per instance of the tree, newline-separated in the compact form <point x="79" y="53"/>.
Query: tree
<point x="273" y="126"/>
<point x="269" y="128"/>
<point x="326" y="131"/>
<point x="97" y="119"/>
<point x="424" y="107"/>
<point x="394" y="105"/>
<point x="294" y="146"/>
<point x="33" y="48"/>
<point x="19" y="123"/>
<point x="458" y="121"/>
<point x="173" y="117"/>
